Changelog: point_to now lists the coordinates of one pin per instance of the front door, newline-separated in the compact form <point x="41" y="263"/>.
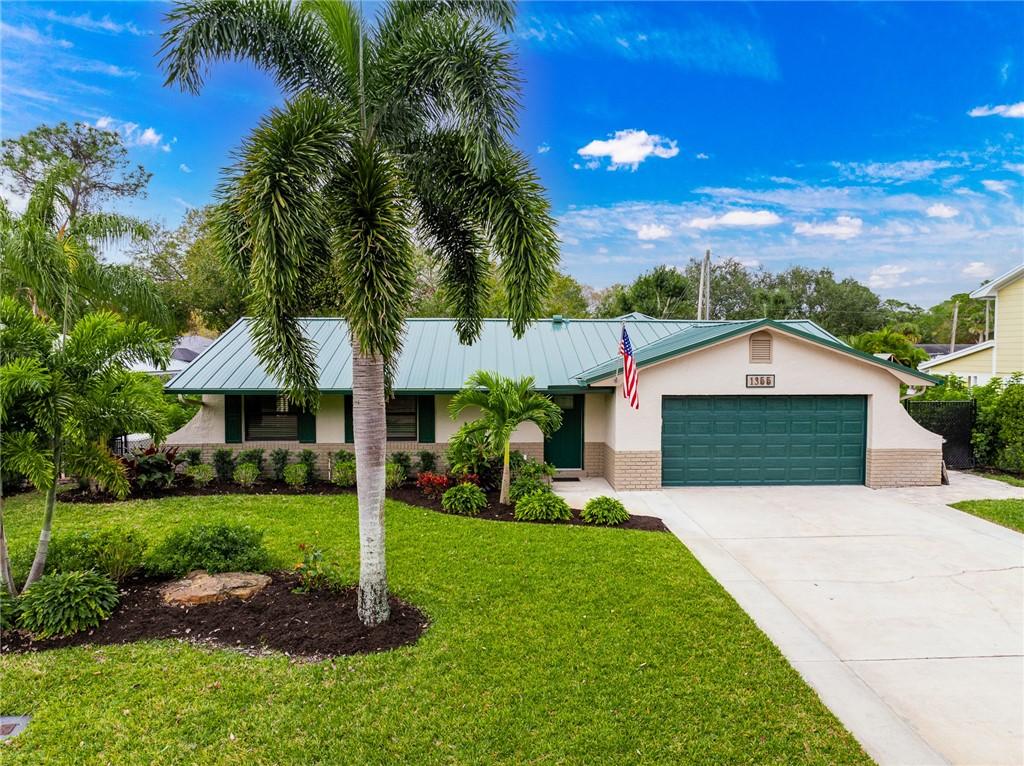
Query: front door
<point x="564" y="448"/>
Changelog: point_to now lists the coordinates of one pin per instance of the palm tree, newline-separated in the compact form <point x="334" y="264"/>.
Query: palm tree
<point x="394" y="129"/>
<point x="505" y="404"/>
<point x="48" y="256"/>
<point x="62" y="396"/>
<point x="890" y="341"/>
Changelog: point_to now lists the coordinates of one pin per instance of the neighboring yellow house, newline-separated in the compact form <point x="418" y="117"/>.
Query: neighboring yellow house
<point x="1001" y="356"/>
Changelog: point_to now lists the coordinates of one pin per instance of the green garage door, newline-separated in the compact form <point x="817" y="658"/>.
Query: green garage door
<point x="763" y="440"/>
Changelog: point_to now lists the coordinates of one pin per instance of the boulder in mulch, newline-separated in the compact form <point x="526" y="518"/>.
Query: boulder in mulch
<point x="201" y="587"/>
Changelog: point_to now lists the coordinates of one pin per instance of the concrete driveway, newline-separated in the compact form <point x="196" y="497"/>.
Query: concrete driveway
<point x="906" y="616"/>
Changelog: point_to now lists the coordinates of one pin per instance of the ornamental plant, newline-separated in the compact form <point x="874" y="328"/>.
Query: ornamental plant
<point x="542" y="506"/>
<point x="394" y="475"/>
<point x="116" y="553"/>
<point x="308" y="458"/>
<point x="402" y="459"/>
<point x="296" y="475"/>
<point x="464" y="499"/>
<point x="201" y="474"/>
<point x="527" y="485"/>
<point x="344" y="471"/>
<point x="427" y="461"/>
<point x="152" y="468"/>
<point x="224" y="464"/>
<point x="315" y="573"/>
<point x="64" y="603"/>
<point x="254" y="456"/>
<point x="10" y="608"/>
<point x="432" y="485"/>
<point x="604" y="510"/>
<point x="218" y="547"/>
<point x="278" y="462"/>
<point x="246" y="474"/>
<point x="193" y="455"/>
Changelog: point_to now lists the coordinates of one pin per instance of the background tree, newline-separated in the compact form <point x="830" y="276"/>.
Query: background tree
<point x="391" y="128"/>
<point x="732" y="289"/>
<point x="62" y="399"/>
<point x="504" y="404"/>
<point x="663" y="293"/>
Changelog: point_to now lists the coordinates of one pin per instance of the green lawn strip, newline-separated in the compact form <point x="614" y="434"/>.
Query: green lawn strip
<point x="1013" y="481"/>
<point x="548" y="644"/>
<point x="1009" y="513"/>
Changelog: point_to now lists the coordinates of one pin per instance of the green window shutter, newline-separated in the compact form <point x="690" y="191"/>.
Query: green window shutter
<point x="349" y="438"/>
<point x="233" y="419"/>
<point x="307" y="427"/>
<point x="425" y="417"/>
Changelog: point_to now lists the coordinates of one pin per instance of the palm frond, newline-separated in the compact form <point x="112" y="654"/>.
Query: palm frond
<point x="20" y="452"/>
<point x="95" y="461"/>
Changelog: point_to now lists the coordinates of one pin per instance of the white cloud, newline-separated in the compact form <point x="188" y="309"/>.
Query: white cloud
<point x="978" y="269"/>
<point x="131" y="134"/>
<point x="703" y="156"/>
<point x="28" y="34"/>
<point x="737" y="218"/>
<point x="900" y="172"/>
<point x="843" y="227"/>
<point x="86" y="22"/>
<point x="628" y="148"/>
<point x="1003" y="110"/>
<point x="98" y="67"/>
<point x="543" y="149"/>
<point x="647" y="246"/>
<point x="941" y="210"/>
<point x="997" y="187"/>
<point x="885" y="276"/>
<point x="185" y="204"/>
<point x="184" y="168"/>
<point x="1014" y="167"/>
<point x="653" y="231"/>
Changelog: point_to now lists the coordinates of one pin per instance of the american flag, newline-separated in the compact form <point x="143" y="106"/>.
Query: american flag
<point x="629" y="375"/>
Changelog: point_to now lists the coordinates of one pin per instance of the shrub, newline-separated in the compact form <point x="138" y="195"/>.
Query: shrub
<point x="224" y="464"/>
<point x="10" y="608"/>
<point x="427" y="461"/>
<point x="214" y="547"/>
<point x="201" y="474"/>
<point x="296" y="475"/>
<point x="314" y="572"/>
<point x="432" y="485"/>
<point x="464" y="499"/>
<point x="526" y="485"/>
<point x="468" y="478"/>
<point x="604" y="510"/>
<point x="402" y="459"/>
<point x="64" y="603"/>
<point x="193" y="456"/>
<point x="542" y="506"/>
<point x="308" y="458"/>
<point x="152" y="468"/>
<point x="254" y="456"/>
<point x="529" y="468"/>
<point x="394" y="475"/>
<point x="246" y="474"/>
<point x="278" y="462"/>
<point x="344" y="471"/>
<point x="116" y="553"/>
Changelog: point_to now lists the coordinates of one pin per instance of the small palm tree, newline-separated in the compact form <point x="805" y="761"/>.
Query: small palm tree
<point x="505" y="404"/>
<point x="49" y="259"/>
<point x="395" y="130"/>
<point x="889" y="341"/>
<point x="62" y="397"/>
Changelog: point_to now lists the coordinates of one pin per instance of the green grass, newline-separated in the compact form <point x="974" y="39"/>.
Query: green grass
<point x="1009" y="513"/>
<point x="548" y="645"/>
<point x="1009" y="478"/>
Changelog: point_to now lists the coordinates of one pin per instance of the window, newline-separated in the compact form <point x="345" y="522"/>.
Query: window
<point x="761" y="348"/>
<point x="400" y="415"/>
<point x="270" y="418"/>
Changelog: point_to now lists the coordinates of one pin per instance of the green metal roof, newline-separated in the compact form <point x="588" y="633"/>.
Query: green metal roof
<point x="698" y="337"/>
<point x="554" y="352"/>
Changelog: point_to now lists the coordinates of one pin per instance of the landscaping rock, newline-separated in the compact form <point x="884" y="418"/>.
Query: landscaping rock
<point x="200" y="587"/>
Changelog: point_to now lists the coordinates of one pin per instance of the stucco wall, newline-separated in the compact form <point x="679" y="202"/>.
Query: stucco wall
<point x="206" y="426"/>
<point x="445" y="426"/>
<point x="1010" y="329"/>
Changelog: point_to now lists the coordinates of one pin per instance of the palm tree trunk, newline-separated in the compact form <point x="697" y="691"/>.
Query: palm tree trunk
<point x="506" y="475"/>
<point x="370" y="431"/>
<point x="5" y="557"/>
<point x="43" y="548"/>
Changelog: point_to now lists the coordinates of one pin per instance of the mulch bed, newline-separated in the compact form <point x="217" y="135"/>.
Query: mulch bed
<point x="313" y="626"/>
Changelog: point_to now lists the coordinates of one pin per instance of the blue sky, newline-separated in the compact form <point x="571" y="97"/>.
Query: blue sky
<point x="882" y="140"/>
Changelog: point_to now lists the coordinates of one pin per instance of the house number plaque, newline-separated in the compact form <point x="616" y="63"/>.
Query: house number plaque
<point x="760" y="381"/>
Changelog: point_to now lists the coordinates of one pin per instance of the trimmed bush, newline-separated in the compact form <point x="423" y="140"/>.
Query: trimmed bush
<point x="201" y="474"/>
<point x="526" y="485"/>
<point x="193" y="455"/>
<point x="542" y="506"/>
<point x="64" y="603"/>
<point x="403" y="459"/>
<point x="214" y="547"/>
<point x="464" y="499"/>
<point x="308" y="458"/>
<point x="10" y="608"/>
<point x="296" y="475"/>
<point x="344" y="472"/>
<point x="224" y="464"/>
<point x="116" y="553"/>
<point x="394" y="475"/>
<point x="254" y="456"/>
<point x="604" y="510"/>
<point x="427" y="461"/>
<point x="246" y="474"/>
<point x="278" y="462"/>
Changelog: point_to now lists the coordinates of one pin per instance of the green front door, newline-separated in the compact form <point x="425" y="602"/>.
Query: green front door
<point x="763" y="440"/>
<point x="564" y="448"/>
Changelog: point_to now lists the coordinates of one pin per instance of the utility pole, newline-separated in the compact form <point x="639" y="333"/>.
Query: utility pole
<point x="956" y="315"/>
<point x="988" y="304"/>
<point x="700" y="292"/>
<point x="704" y="288"/>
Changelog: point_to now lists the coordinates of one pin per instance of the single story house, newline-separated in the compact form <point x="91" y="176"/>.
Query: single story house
<point x="1002" y="354"/>
<point x="721" y="402"/>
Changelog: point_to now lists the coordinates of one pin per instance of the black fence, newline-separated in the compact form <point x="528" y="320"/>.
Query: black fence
<point x="954" y="421"/>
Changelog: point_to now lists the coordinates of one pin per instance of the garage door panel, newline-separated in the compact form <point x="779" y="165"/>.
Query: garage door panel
<point x="763" y="440"/>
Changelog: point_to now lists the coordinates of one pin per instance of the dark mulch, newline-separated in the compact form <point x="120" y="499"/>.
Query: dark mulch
<point x="496" y="511"/>
<point x="308" y="625"/>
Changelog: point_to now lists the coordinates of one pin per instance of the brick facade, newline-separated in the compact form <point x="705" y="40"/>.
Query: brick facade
<point x="903" y="468"/>
<point x="593" y="460"/>
<point x="633" y="470"/>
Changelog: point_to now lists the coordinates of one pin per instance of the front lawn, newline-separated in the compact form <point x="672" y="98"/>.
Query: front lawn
<point x="1008" y="478"/>
<point x="1009" y="513"/>
<point x="548" y="644"/>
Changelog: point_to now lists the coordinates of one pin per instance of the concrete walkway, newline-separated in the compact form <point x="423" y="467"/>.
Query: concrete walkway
<point x="906" y="616"/>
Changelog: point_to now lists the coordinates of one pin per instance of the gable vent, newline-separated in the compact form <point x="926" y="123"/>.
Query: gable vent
<point x="761" y="348"/>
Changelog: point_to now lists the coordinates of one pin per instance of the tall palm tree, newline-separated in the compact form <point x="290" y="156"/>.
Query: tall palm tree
<point x="504" y="404"/>
<point x="395" y="129"/>
<point x="49" y="258"/>
<point x="63" y="395"/>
